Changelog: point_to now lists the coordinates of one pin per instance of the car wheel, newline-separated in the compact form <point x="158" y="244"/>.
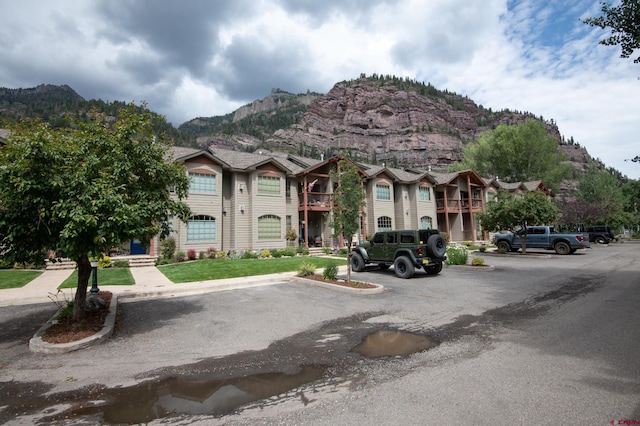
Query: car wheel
<point x="433" y="269"/>
<point x="357" y="262"/>
<point x="504" y="246"/>
<point x="403" y="267"/>
<point x="562" y="248"/>
<point x="437" y="246"/>
<point x="600" y="240"/>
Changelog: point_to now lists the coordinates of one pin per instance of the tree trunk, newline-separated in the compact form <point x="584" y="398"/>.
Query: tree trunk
<point x="349" y="262"/>
<point x="84" y="273"/>
<point x="524" y="244"/>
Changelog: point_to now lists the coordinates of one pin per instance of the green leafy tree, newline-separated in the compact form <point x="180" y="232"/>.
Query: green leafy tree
<point x="348" y="200"/>
<point x="624" y="23"/>
<point x="85" y="189"/>
<point x="515" y="213"/>
<point x="524" y="152"/>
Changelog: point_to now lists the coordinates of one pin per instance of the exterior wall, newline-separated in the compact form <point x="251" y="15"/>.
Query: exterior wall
<point x="403" y="213"/>
<point x="267" y="204"/>
<point x="378" y="208"/>
<point x="425" y="208"/>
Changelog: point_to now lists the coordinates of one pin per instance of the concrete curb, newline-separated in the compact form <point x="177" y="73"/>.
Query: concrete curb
<point x="364" y="291"/>
<point x="37" y="345"/>
<point x="474" y="268"/>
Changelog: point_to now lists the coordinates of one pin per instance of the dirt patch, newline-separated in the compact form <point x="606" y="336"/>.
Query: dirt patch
<point x="341" y="282"/>
<point x="66" y="330"/>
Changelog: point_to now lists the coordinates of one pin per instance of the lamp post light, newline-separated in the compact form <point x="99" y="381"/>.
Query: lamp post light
<point x="94" y="278"/>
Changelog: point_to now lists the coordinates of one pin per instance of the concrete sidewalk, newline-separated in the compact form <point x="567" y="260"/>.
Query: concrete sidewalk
<point x="149" y="283"/>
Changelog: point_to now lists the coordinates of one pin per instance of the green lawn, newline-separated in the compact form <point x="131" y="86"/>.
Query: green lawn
<point x="107" y="276"/>
<point x="11" y="278"/>
<point x="203" y="270"/>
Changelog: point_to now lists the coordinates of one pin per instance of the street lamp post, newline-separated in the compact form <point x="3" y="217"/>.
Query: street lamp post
<point x="94" y="278"/>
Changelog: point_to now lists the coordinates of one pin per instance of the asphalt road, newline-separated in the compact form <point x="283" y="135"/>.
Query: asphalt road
<point x="542" y="340"/>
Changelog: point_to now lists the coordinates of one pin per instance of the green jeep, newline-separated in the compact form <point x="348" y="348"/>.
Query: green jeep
<point x="404" y="249"/>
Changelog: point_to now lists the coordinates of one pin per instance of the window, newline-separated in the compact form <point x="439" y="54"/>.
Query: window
<point x="202" y="182"/>
<point x="407" y="238"/>
<point x="391" y="238"/>
<point x="287" y="189"/>
<point x="201" y="228"/>
<point x="268" y="184"/>
<point x="378" y="238"/>
<point x="424" y="193"/>
<point x="384" y="223"/>
<point x="426" y="222"/>
<point x="383" y="192"/>
<point x="269" y="227"/>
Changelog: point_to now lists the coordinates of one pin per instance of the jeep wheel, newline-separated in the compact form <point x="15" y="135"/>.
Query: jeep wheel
<point x="562" y="248"/>
<point x="403" y="267"/>
<point x="357" y="262"/>
<point x="436" y="246"/>
<point x="504" y="246"/>
<point x="600" y="240"/>
<point x="433" y="269"/>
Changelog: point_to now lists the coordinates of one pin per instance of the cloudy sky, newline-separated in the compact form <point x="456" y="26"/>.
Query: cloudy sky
<point x="193" y="58"/>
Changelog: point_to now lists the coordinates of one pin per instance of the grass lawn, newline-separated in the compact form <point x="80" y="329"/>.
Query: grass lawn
<point x="108" y="276"/>
<point x="12" y="278"/>
<point x="203" y="270"/>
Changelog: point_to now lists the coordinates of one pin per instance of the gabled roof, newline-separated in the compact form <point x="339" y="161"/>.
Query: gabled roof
<point x="246" y="161"/>
<point x="183" y="154"/>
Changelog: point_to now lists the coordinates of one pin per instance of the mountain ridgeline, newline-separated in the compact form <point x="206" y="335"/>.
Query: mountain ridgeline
<point x="377" y="119"/>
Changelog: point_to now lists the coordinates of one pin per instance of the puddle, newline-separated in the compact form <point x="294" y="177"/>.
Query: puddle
<point x="393" y="343"/>
<point x="154" y="400"/>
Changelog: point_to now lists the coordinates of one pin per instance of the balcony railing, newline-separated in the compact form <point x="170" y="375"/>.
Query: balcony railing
<point x="459" y="205"/>
<point x="316" y="201"/>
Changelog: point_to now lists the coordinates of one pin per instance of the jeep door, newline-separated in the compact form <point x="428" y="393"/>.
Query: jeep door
<point x="391" y="246"/>
<point x="376" y="251"/>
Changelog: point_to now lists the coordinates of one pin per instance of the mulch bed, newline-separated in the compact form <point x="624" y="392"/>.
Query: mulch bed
<point x="344" y="283"/>
<point x="66" y="330"/>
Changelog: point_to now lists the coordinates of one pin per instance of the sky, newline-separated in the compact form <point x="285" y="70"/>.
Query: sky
<point x="202" y="58"/>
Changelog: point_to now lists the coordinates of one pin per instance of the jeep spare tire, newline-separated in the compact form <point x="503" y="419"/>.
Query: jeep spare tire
<point x="436" y="246"/>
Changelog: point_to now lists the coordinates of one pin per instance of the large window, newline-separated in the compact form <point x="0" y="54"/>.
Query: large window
<point x="424" y="193"/>
<point x="268" y="184"/>
<point x="426" y="222"/>
<point x="202" y="182"/>
<point x="383" y="192"/>
<point x="384" y="223"/>
<point x="269" y="227"/>
<point x="201" y="228"/>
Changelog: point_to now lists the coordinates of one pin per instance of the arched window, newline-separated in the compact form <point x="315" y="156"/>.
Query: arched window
<point x="269" y="227"/>
<point x="384" y="223"/>
<point x="426" y="222"/>
<point x="201" y="228"/>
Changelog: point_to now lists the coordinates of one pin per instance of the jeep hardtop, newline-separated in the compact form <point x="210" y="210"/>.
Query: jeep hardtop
<point x="405" y="249"/>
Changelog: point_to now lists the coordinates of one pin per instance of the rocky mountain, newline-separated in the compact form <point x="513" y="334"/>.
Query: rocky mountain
<point x="376" y="119"/>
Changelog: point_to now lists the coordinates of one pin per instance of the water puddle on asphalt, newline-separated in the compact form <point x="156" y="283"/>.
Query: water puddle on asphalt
<point x="393" y="343"/>
<point x="173" y="396"/>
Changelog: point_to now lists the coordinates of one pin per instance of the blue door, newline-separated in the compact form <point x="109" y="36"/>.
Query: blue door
<point x="136" y="248"/>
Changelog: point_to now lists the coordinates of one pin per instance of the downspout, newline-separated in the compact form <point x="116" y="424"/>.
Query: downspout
<point x="471" y="217"/>
<point x="305" y="204"/>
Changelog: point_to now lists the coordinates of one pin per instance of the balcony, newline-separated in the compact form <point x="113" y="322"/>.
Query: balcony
<point x="459" y="206"/>
<point x="316" y="201"/>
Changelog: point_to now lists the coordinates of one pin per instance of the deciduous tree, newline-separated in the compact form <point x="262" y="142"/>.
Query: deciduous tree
<point x="86" y="189"/>
<point x="624" y="22"/>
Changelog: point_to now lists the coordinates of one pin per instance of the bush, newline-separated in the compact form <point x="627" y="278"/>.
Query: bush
<point x="457" y="254"/>
<point x="445" y="236"/>
<point x="477" y="261"/>
<point x="232" y="255"/>
<point x="248" y="254"/>
<point x="288" y="251"/>
<point x="306" y="268"/>
<point x="276" y="253"/>
<point x="302" y="250"/>
<point x="502" y="250"/>
<point x="192" y="254"/>
<point x="265" y="253"/>
<point x="168" y="247"/>
<point x="221" y="255"/>
<point x="330" y="272"/>
<point x="212" y="253"/>
<point x="344" y="251"/>
<point x="181" y="256"/>
<point x="326" y="250"/>
<point x="104" y="262"/>
<point x="120" y="264"/>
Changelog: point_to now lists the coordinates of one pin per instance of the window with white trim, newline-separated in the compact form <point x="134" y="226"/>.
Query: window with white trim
<point x="383" y="192"/>
<point x="384" y="223"/>
<point x="269" y="227"/>
<point x="201" y="228"/>
<point x="424" y="193"/>
<point x="426" y="222"/>
<point x="269" y="185"/>
<point x="202" y="182"/>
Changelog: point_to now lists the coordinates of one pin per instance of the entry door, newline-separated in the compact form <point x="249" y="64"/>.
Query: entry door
<point x="136" y="247"/>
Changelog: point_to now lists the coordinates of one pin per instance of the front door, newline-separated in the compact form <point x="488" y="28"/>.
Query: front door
<point x="136" y="248"/>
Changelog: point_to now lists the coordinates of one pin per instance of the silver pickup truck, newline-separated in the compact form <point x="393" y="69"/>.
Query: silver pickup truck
<point x="542" y="237"/>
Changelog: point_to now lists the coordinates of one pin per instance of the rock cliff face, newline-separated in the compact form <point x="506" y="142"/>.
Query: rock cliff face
<point x="383" y="122"/>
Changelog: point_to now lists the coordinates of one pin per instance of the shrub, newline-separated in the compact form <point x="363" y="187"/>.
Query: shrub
<point x="221" y="254"/>
<point x="467" y="243"/>
<point x="265" y="253"/>
<point x="306" y="268"/>
<point x="457" y="254"/>
<point x="168" y="247"/>
<point x="477" y="261"/>
<point x="502" y="250"/>
<point x="326" y="250"/>
<point x="163" y="261"/>
<point x="291" y="235"/>
<point x="302" y="250"/>
<point x="288" y="251"/>
<point x="192" y="254"/>
<point x="276" y="253"/>
<point x="104" y="262"/>
<point x="248" y="254"/>
<point x="330" y="272"/>
<point x="4" y="264"/>
<point x="181" y="256"/>
<point x="344" y="251"/>
<point x="445" y="236"/>
<point x="120" y="264"/>
<point x="232" y="255"/>
<point x="212" y="253"/>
